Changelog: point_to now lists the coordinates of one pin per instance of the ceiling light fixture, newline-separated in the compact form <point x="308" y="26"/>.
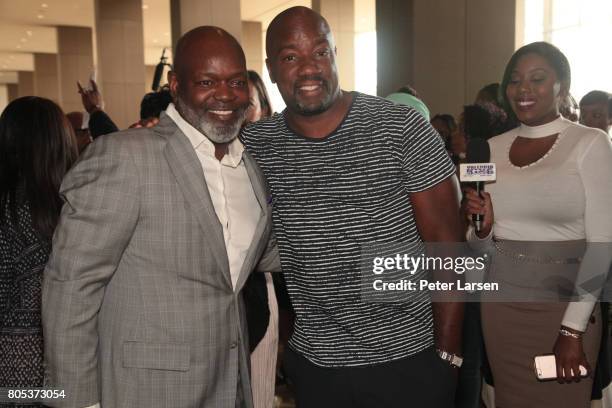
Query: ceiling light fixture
<point x="23" y="40"/>
<point x="40" y="16"/>
<point x="18" y="46"/>
<point x="44" y="5"/>
<point x="145" y="6"/>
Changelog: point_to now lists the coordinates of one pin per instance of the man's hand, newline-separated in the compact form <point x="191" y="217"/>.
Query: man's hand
<point x="91" y="98"/>
<point x="145" y="123"/>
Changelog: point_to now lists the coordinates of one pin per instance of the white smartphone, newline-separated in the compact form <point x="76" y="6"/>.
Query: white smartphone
<point x="545" y="367"/>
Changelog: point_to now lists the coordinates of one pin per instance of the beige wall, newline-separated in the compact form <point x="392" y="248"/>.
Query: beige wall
<point x="75" y="62"/>
<point x="490" y="42"/>
<point x="252" y="43"/>
<point x="454" y="48"/>
<point x="120" y="46"/>
<point x="46" y="77"/>
<point x="4" y="96"/>
<point x="460" y="46"/>
<point x="395" y="43"/>
<point x="439" y="54"/>
<point x="188" y="14"/>
<point x="340" y="14"/>
<point x="13" y="91"/>
<point x="25" y="83"/>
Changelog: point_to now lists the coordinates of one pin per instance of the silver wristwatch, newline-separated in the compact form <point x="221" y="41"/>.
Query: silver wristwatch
<point x="452" y="359"/>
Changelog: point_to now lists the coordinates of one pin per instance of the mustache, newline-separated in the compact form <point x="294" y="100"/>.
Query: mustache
<point x="226" y="107"/>
<point x="310" y="78"/>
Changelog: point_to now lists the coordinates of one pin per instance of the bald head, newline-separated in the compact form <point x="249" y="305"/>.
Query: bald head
<point x="204" y="42"/>
<point x="301" y="60"/>
<point x="288" y="20"/>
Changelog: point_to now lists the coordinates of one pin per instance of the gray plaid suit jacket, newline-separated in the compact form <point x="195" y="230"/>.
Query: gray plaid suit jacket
<point x="138" y="304"/>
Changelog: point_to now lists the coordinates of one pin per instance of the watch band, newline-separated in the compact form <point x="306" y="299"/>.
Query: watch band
<point x="453" y="359"/>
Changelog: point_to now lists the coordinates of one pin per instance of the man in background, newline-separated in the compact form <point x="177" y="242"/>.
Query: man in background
<point x="596" y="110"/>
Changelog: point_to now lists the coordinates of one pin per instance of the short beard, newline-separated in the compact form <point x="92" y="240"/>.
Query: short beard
<point x="314" y="110"/>
<point x="216" y="134"/>
<point x="324" y="104"/>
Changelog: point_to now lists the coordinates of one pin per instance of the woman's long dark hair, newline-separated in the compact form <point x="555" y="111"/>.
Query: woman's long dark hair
<point x="37" y="147"/>
<point x="264" y="99"/>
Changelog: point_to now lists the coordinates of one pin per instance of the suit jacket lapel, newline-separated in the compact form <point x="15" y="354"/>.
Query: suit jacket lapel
<point x="187" y="170"/>
<point x="261" y="193"/>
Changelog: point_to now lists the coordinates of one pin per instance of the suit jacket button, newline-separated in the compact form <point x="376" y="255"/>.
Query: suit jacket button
<point x="233" y="344"/>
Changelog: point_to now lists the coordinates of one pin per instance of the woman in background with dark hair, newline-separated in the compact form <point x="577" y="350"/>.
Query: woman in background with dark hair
<point x="37" y="147"/>
<point x="260" y="106"/>
<point x="551" y="200"/>
<point x="259" y="294"/>
<point x="445" y="125"/>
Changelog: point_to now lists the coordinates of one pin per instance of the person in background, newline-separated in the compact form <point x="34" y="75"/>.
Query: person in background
<point x="78" y="121"/>
<point x="596" y="110"/>
<point x="488" y="94"/>
<point x="99" y="123"/>
<point x="445" y="124"/>
<point x="259" y="103"/>
<point x="152" y="105"/>
<point x="569" y="108"/>
<point x="263" y="327"/>
<point x="554" y="186"/>
<point x="37" y="147"/>
<point x="407" y="96"/>
<point x="478" y="121"/>
<point x="482" y="121"/>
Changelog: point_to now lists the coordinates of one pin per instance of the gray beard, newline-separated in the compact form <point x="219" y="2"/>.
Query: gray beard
<point x="216" y="134"/>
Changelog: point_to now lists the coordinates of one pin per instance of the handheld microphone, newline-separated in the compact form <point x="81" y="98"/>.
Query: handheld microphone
<point x="159" y="70"/>
<point x="477" y="170"/>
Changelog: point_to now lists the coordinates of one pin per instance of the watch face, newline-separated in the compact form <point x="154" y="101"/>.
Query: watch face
<point x="457" y="361"/>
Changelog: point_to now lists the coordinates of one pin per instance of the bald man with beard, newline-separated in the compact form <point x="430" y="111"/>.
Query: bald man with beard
<point x="160" y="229"/>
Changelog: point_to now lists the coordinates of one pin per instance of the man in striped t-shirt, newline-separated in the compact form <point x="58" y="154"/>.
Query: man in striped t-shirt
<point x="345" y="170"/>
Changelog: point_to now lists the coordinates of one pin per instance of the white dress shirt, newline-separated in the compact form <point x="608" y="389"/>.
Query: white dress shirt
<point x="230" y="190"/>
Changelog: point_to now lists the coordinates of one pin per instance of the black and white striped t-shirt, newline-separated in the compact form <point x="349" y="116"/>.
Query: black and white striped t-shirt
<point x="332" y="196"/>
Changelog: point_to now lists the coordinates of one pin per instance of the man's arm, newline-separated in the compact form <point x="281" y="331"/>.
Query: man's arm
<point x="101" y="124"/>
<point x="436" y="212"/>
<point x="98" y="218"/>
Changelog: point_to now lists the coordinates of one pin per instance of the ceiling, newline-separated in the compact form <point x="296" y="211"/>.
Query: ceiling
<point x="28" y="26"/>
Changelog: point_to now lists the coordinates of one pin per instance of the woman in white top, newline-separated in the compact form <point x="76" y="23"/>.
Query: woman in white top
<point x="554" y="186"/>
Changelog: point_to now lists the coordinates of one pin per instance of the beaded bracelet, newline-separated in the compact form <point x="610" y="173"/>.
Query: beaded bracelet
<point x="568" y="333"/>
